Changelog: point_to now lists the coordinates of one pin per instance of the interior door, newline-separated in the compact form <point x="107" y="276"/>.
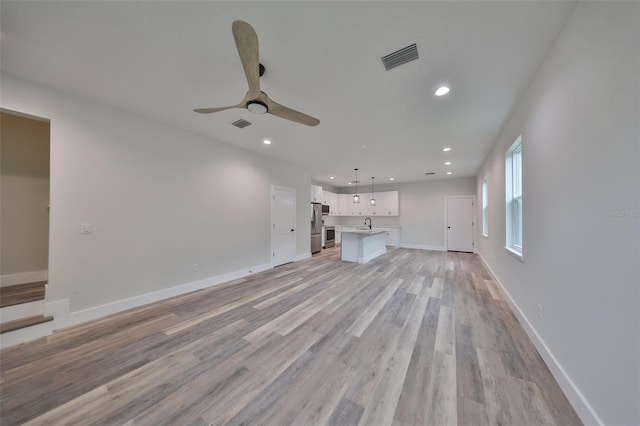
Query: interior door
<point x="283" y="218"/>
<point x="459" y="223"/>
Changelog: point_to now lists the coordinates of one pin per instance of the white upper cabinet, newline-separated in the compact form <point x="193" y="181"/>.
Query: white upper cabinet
<point x="344" y="205"/>
<point x="330" y="199"/>
<point x="362" y="208"/>
<point x="326" y="195"/>
<point x="316" y="194"/>
<point x="386" y="204"/>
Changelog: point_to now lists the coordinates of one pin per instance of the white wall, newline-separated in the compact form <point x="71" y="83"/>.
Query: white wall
<point x="421" y="210"/>
<point x="580" y="139"/>
<point x="159" y="199"/>
<point x="24" y="193"/>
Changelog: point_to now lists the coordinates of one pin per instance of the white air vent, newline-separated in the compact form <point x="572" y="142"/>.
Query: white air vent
<point x="401" y="56"/>
<point x="242" y="123"/>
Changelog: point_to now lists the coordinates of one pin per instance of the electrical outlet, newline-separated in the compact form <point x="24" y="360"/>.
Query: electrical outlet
<point x="195" y="267"/>
<point x="539" y="311"/>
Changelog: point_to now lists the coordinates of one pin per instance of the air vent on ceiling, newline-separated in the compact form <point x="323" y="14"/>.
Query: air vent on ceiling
<point x="401" y="56"/>
<point x="430" y="173"/>
<point x="242" y="123"/>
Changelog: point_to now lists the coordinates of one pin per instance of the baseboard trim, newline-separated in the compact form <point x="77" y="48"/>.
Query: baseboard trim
<point x="63" y="318"/>
<point x="421" y="247"/>
<point x="302" y="256"/>
<point x="23" y="278"/>
<point x="577" y="400"/>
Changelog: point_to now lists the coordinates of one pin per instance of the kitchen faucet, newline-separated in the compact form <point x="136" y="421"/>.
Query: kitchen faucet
<point x="365" y="221"/>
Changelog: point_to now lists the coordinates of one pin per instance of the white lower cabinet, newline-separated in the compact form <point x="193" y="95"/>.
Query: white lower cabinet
<point x="393" y="237"/>
<point x="393" y="234"/>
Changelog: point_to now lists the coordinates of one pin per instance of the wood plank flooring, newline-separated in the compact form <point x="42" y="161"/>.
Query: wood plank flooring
<point x="411" y="338"/>
<point x="22" y="293"/>
<point x="5" y="327"/>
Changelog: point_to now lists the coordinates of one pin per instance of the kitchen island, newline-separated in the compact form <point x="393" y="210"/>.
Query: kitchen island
<point x="363" y="245"/>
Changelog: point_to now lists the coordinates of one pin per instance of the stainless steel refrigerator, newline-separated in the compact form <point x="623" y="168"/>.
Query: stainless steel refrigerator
<point x="316" y="227"/>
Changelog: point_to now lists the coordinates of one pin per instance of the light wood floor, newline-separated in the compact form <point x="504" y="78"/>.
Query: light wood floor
<point x="22" y="293"/>
<point x="411" y="338"/>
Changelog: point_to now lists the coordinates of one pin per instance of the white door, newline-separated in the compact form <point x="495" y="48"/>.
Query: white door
<point x="459" y="223"/>
<point x="283" y="229"/>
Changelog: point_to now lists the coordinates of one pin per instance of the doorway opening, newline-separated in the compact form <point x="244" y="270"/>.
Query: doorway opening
<point x="283" y="225"/>
<point x="459" y="223"/>
<point x="24" y="218"/>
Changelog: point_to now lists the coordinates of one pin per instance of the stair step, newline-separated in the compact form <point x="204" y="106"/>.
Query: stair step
<point x="21" y="293"/>
<point x="23" y="310"/>
<point x="23" y="323"/>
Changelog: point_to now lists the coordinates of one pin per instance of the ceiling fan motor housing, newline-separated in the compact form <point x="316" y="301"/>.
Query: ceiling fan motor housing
<point x="257" y="107"/>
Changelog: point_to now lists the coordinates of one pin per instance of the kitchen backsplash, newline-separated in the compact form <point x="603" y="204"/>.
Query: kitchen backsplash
<point x="377" y="221"/>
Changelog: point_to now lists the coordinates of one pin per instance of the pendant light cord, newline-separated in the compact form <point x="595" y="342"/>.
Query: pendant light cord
<point x="356" y="182"/>
<point x="356" y="198"/>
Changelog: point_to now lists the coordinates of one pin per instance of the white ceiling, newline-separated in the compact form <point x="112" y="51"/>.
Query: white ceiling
<point x="162" y="59"/>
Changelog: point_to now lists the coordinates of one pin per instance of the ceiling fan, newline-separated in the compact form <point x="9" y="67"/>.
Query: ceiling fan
<point x="256" y="100"/>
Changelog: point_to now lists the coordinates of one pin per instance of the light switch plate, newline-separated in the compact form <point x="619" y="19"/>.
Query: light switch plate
<point x="85" y="228"/>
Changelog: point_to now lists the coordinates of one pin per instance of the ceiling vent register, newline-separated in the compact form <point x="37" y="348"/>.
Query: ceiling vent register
<point x="401" y="56"/>
<point x="242" y="123"/>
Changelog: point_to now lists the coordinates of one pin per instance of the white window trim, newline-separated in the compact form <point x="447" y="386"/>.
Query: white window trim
<point x="511" y="248"/>
<point x="514" y="253"/>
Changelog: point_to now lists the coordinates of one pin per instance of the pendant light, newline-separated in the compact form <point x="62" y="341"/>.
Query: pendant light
<point x="356" y="197"/>
<point x="373" y="200"/>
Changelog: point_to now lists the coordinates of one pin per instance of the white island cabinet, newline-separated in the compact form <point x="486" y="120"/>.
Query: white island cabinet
<point x="363" y="245"/>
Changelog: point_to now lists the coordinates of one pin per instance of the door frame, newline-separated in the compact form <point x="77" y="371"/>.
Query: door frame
<point x="272" y="223"/>
<point x="473" y="227"/>
<point x="43" y="275"/>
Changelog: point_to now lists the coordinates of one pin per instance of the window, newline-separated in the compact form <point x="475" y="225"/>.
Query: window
<point x="485" y="208"/>
<point x="513" y="192"/>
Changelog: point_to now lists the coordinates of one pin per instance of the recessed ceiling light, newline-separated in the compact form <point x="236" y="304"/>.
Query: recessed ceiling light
<point x="447" y="149"/>
<point x="266" y="142"/>
<point x="442" y="90"/>
<point x="449" y="173"/>
<point x="392" y="178"/>
<point x="448" y="163"/>
<point x="349" y="183"/>
<point x="331" y="177"/>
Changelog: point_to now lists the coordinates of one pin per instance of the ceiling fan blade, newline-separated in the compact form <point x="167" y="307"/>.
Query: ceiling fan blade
<point x="210" y="110"/>
<point x="288" y="113"/>
<point x="247" y="45"/>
